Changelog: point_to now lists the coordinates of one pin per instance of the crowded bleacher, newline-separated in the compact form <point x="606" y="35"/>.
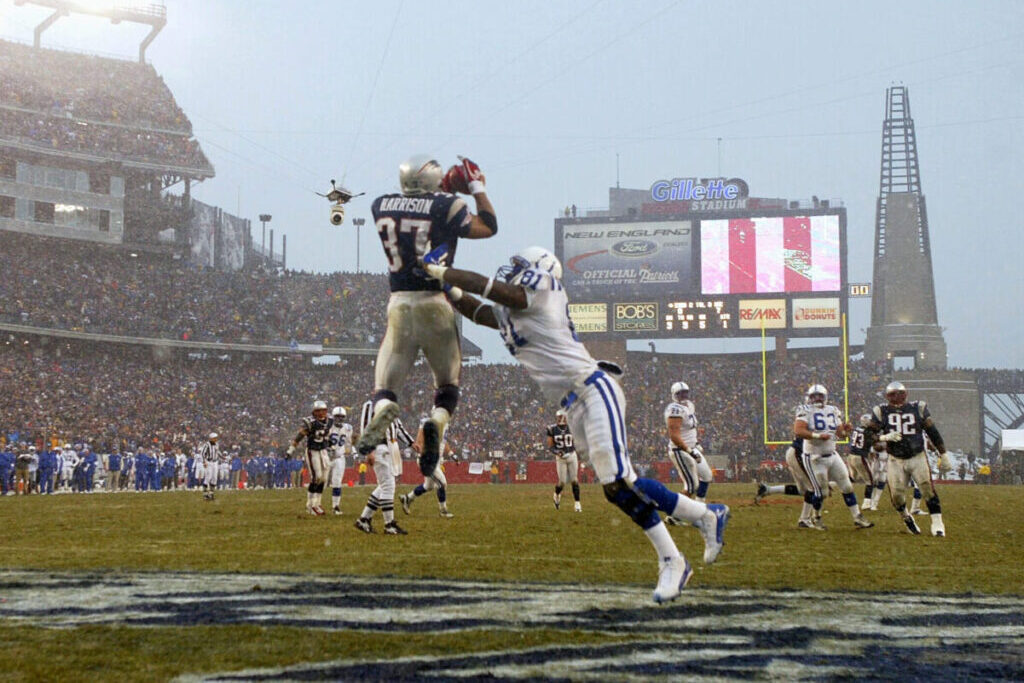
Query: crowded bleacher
<point x="94" y="288"/>
<point x="104" y="107"/>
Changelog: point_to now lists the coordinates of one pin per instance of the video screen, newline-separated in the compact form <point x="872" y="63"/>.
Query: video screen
<point x="770" y="255"/>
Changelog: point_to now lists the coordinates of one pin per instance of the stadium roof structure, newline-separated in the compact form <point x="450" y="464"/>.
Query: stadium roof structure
<point x="153" y="14"/>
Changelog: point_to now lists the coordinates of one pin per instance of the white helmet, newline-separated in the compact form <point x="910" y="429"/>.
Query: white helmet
<point x="865" y="419"/>
<point x="532" y="258"/>
<point x="319" y="405"/>
<point x="816" y="390"/>
<point x="420" y="174"/>
<point x="680" y="387"/>
<point x="213" y="436"/>
<point x="561" y="417"/>
<point x="339" y="412"/>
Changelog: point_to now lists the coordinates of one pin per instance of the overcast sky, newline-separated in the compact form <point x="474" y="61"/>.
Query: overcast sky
<point x="543" y="95"/>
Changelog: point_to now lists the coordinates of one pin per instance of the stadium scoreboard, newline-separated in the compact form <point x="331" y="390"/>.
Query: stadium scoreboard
<point x="725" y="274"/>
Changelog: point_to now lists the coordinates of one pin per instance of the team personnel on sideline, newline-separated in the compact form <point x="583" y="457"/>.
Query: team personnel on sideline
<point x="820" y="424"/>
<point x="341" y="444"/>
<point x="423" y="217"/>
<point x="316" y="431"/>
<point x="683" y="449"/>
<point x="436" y="481"/>
<point x="861" y="459"/>
<point x="903" y="425"/>
<point x="382" y="460"/>
<point x="567" y="463"/>
<point x="531" y="311"/>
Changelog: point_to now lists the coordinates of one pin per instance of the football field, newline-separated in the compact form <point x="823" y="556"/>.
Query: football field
<point x="159" y="585"/>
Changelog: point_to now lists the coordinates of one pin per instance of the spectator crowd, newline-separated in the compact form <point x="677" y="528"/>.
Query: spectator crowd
<point x="106" y="107"/>
<point x="93" y="288"/>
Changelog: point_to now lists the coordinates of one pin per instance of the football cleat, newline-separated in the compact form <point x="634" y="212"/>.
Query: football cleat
<point x="862" y="523"/>
<point x="673" y="576"/>
<point x="672" y="521"/>
<point x="762" y="491"/>
<point x="317" y="510"/>
<point x="404" y="499"/>
<point x="395" y="530"/>
<point x="365" y="525"/>
<point x="805" y="524"/>
<point x="911" y="525"/>
<point x="208" y="496"/>
<point x="712" y="529"/>
<point x="446" y="514"/>
<point x="337" y="510"/>
<point x="375" y="432"/>
<point x="558" y="500"/>
<point x="577" y="507"/>
<point x="919" y="511"/>
<point x="818" y="524"/>
<point x="431" y="448"/>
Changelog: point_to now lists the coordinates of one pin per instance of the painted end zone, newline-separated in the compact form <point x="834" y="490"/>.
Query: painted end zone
<point x="710" y="632"/>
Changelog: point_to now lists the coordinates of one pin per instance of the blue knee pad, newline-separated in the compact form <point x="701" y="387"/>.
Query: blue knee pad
<point x="441" y="494"/>
<point x="637" y="506"/>
<point x="418" y="491"/>
<point x="702" y="489"/>
<point x="336" y="491"/>
<point x="816" y="502"/>
<point x="850" y="499"/>
<point x="662" y="497"/>
<point x="917" y="493"/>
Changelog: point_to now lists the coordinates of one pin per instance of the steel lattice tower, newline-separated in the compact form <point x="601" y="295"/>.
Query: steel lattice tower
<point x="904" y="321"/>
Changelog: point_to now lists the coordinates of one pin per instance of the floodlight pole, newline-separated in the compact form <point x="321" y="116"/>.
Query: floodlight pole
<point x="359" y="223"/>
<point x="264" y="219"/>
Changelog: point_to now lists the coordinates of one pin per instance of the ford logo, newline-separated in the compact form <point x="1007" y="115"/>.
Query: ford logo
<point x="634" y="248"/>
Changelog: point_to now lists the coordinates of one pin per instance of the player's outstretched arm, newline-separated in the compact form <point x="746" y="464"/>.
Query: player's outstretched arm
<point x="475" y="310"/>
<point x="467" y="178"/>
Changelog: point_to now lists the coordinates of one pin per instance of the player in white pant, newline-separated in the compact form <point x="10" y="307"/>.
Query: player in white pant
<point x="567" y="463"/>
<point x="820" y="425"/>
<point x="382" y="459"/>
<point x="341" y="443"/>
<point x="683" y="449"/>
<point x="435" y="482"/>
<point x="531" y="311"/>
<point x="209" y="454"/>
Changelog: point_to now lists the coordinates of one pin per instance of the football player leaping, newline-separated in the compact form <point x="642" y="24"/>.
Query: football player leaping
<point x="566" y="462"/>
<point x="316" y="431"/>
<point x="903" y="426"/>
<point x="820" y="424"/>
<point x="683" y="449"/>
<point x="341" y="443"/>
<point x="531" y="311"/>
<point x="423" y="217"/>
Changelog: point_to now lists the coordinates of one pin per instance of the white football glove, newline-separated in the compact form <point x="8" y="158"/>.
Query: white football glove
<point x="291" y="451"/>
<point x="891" y="437"/>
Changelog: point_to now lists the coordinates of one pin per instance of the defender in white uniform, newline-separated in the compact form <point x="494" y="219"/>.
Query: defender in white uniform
<point x="820" y="424"/>
<point x="531" y="311"/>
<point x="683" y="449"/>
<point x="341" y="444"/>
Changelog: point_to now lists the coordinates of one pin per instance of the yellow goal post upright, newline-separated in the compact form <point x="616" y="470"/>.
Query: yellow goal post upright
<point x="764" y="382"/>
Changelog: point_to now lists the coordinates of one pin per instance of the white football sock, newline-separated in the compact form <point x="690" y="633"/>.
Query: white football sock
<point x="778" y="488"/>
<point x="336" y="501"/>
<point x="662" y="541"/>
<point x="689" y="510"/>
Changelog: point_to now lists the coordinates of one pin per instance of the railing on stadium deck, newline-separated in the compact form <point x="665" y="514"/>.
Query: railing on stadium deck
<point x="280" y="349"/>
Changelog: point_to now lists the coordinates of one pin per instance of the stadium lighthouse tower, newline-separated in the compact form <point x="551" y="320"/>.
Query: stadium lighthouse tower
<point x="904" y="322"/>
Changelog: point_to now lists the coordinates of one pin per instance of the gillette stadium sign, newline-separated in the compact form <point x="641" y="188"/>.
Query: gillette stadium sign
<point x="698" y="195"/>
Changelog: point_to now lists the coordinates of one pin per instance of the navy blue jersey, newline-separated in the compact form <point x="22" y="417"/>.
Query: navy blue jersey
<point x="561" y="437"/>
<point x="410" y="227"/>
<point x="798" y="445"/>
<point x="859" y="442"/>
<point x="908" y="420"/>
<point x="318" y="432"/>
